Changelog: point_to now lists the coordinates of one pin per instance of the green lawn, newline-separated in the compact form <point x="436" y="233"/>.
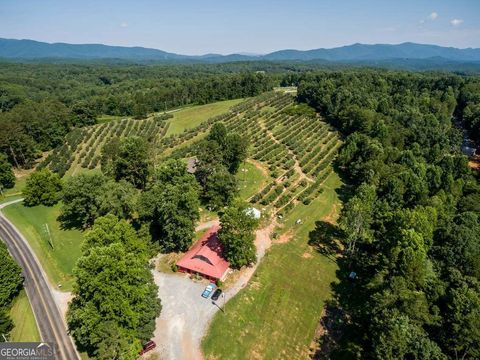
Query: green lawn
<point x="15" y="192"/>
<point x="106" y="118"/>
<point x="194" y="115"/>
<point x="22" y="315"/>
<point x="58" y="261"/>
<point x="277" y="314"/>
<point x="250" y="181"/>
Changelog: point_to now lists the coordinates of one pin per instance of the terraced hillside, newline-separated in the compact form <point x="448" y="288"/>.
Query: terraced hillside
<point x="82" y="147"/>
<point x="298" y="149"/>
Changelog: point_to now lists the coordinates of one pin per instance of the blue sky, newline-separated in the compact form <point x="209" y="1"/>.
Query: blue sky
<point x="227" y="26"/>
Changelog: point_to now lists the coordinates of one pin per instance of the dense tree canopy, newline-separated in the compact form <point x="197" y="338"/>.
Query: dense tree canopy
<point x="11" y="282"/>
<point x="170" y="206"/>
<point x="237" y="235"/>
<point x="108" y="230"/>
<point x="132" y="163"/>
<point x="7" y="178"/>
<point x="232" y="148"/>
<point x="42" y="188"/>
<point x="115" y="302"/>
<point x="11" y="279"/>
<point x="411" y="220"/>
<point x="86" y="197"/>
<point x="81" y="199"/>
<point x="218" y="159"/>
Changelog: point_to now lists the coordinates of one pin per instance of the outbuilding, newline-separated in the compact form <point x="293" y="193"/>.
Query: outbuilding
<point x="205" y="257"/>
<point x="253" y="212"/>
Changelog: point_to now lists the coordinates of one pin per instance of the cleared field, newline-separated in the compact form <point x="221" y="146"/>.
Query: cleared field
<point x="22" y="315"/>
<point x="106" y="118"/>
<point x="58" y="261"/>
<point x="193" y="116"/>
<point x="276" y="315"/>
<point x="250" y="180"/>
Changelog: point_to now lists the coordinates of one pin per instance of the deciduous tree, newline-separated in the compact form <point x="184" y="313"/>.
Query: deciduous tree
<point x="113" y="287"/>
<point x="7" y="178"/>
<point x="133" y="163"/>
<point x="82" y="200"/>
<point x="171" y="206"/>
<point x="237" y="235"/>
<point x="42" y="188"/>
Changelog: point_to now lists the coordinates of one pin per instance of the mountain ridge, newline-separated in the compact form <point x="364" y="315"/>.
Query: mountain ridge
<point x="32" y="49"/>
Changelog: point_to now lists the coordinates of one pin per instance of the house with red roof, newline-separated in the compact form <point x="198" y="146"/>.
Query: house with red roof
<point x="205" y="257"/>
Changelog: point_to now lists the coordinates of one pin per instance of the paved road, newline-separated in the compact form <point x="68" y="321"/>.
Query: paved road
<point x="48" y="317"/>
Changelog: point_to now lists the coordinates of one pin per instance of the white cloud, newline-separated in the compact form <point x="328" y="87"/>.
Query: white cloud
<point x="124" y="24"/>
<point x="433" y="16"/>
<point x="456" y="22"/>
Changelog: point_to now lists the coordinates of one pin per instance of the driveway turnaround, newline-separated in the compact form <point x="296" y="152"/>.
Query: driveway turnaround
<point x="49" y="321"/>
<point x="186" y="315"/>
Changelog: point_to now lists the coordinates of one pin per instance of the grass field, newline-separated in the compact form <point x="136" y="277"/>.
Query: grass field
<point x="25" y="326"/>
<point x="276" y="315"/>
<point x="250" y="180"/>
<point x="106" y="118"/>
<point x="58" y="261"/>
<point x="15" y="192"/>
<point x="192" y="116"/>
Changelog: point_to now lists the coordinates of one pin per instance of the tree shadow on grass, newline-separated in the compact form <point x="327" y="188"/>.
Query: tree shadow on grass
<point x="345" y="191"/>
<point x="340" y="334"/>
<point x="69" y="222"/>
<point x="325" y="238"/>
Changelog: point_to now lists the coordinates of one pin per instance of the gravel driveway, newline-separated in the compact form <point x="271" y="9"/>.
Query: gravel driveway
<point x="186" y="314"/>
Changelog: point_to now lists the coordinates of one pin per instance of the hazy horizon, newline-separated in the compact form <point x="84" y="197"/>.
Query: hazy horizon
<point x="247" y="53"/>
<point x="192" y="28"/>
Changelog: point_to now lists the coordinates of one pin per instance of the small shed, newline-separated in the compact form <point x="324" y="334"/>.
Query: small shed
<point x="253" y="212"/>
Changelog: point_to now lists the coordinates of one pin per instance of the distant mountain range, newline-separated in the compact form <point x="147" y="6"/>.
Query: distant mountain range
<point x="356" y="53"/>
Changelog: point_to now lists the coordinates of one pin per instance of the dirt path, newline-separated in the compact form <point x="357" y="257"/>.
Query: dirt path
<point x="186" y="315"/>
<point x="260" y="166"/>
<point x="207" y="225"/>
<point x="296" y="166"/>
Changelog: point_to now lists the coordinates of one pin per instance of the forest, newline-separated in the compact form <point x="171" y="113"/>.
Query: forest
<point x="410" y="225"/>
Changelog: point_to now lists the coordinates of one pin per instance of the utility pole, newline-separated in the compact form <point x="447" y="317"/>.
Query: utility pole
<point x="224" y="304"/>
<point x="50" y="240"/>
<point x="244" y="173"/>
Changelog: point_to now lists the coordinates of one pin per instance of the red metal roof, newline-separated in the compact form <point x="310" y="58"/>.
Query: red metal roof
<point x="205" y="256"/>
